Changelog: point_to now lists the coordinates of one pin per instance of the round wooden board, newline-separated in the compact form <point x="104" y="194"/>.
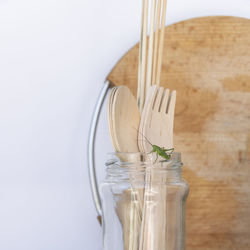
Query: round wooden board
<point x="207" y="60"/>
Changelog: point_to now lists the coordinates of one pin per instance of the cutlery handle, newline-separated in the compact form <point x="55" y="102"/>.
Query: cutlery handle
<point x="91" y="147"/>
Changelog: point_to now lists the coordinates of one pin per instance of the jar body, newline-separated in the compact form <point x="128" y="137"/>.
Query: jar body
<point x="143" y="205"/>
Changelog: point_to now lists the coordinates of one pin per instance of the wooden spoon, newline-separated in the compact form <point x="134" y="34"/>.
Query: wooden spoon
<point x="125" y="117"/>
<point x="110" y="118"/>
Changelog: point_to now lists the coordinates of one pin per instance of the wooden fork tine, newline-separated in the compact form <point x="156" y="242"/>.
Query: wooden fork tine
<point x="158" y="99"/>
<point x="164" y="104"/>
<point x="171" y="105"/>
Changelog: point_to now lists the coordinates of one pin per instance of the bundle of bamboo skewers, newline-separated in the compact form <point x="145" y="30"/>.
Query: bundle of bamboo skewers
<point x="150" y="50"/>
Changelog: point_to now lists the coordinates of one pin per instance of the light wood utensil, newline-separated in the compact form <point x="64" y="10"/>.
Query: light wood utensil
<point x="110" y="118"/>
<point x="150" y="54"/>
<point x="142" y="57"/>
<point x="159" y="121"/>
<point x="161" y="45"/>
<point x="156" y="127"/>
<point x="124" y="119"/>
<point x="156" y="40"/>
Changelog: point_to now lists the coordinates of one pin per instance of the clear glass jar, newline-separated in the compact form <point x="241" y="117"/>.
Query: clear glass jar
<point x="143" y="203"/>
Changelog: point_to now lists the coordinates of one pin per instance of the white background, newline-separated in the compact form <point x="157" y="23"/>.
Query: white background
<point x="54" y="57"/>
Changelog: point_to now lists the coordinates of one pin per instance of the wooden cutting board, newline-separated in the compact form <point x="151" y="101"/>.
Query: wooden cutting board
<point x="207" y="60"/>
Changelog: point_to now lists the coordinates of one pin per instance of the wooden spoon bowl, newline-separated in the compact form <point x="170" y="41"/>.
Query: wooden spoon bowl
<point x="124" y="119"/>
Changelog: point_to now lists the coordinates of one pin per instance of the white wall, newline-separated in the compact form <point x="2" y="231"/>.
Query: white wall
<point x="54" y="57"/>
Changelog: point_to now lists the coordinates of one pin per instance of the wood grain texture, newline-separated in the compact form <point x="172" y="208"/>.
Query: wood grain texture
<point x="207" y="60"/>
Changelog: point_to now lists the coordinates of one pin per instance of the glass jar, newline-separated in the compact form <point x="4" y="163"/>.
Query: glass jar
<point x="143" y="203"/>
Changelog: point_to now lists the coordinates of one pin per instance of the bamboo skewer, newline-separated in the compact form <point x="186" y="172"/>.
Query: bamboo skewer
<point x="139" y="73"/>
<point x="150" y="46"/>
<point x="140" y="61"/>
<point x="161" y="43"/>
<point x="156" y="40"/>
<point x="142" y="56"/>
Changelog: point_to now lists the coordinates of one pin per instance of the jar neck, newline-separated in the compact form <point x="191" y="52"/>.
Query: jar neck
<point x="135" y="166"/>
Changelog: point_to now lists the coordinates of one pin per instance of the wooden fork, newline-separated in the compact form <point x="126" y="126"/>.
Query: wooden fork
<point x="158" y="119"/>
<point x="156" y="126"/>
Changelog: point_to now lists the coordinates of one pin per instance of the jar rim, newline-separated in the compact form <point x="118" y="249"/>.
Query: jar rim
<point x="142" y="161"/>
